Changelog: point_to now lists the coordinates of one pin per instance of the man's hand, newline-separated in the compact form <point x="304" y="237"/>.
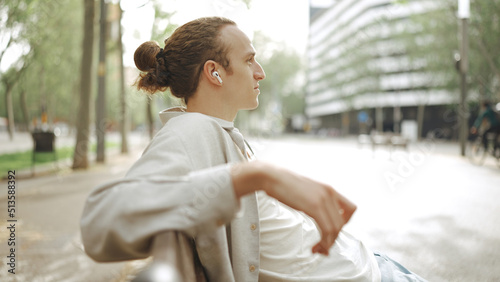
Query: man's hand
<point x="327" y="207"/>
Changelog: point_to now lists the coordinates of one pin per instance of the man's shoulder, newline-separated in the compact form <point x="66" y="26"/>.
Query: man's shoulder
<point x="193" y="122"/>
<point x="193" y="126"/>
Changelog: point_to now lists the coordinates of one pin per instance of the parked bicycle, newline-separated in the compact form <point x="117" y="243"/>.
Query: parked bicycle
<point x="477" y="153"/>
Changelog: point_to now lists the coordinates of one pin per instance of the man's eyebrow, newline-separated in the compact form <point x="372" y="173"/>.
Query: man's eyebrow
<point x="251" y="54"/>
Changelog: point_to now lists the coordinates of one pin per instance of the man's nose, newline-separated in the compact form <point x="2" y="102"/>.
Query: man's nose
<point x="259" y="73"/>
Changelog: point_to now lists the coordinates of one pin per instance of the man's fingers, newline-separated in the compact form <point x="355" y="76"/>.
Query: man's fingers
<point x="347" y="208"/>
<point x="329" y="232"/>
<point x="326" y="226"/>
<point x="318" y="248"/>
<point x="335" y="217"/>
<point x="331" y="215"/>
<point x="331" y="218"/>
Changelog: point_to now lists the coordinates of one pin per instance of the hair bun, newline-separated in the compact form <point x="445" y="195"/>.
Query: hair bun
<point x="145" y="55"/>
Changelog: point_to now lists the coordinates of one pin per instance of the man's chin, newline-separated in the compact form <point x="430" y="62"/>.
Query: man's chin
<point x="256" y="105"/>
<point x="253" y="106"/>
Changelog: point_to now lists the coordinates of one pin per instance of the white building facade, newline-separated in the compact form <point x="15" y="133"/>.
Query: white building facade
<point x="358" y="62"/>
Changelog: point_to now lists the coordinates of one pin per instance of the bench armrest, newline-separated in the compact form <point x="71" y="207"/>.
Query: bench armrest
<point x="174" y="259"/>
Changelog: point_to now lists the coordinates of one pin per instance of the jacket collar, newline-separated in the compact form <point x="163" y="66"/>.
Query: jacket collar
<point x="235" y="134"/>
<point x="170" y="113"/>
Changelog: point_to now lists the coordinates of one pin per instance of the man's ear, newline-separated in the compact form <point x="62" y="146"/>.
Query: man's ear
<point x="211" y="71"/>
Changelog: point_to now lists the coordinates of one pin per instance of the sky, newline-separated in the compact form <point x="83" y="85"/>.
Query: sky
<point x="284" y="21"/>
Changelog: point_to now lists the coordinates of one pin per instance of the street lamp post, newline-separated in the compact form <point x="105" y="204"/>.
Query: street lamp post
<point x="463" y="15"/>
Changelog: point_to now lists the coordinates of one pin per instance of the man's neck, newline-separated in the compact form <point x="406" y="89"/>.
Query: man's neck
<point x="210" y="107"/>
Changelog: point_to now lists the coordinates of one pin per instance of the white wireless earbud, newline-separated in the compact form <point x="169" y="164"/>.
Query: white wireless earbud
<point x="216" y="75"/>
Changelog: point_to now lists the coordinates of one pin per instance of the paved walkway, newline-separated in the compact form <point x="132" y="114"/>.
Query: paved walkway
<point x="47" y="236"/>
<point x="428" y="208"/>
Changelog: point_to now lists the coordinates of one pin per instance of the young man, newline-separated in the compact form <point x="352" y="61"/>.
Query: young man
<point x="250" y="221"/>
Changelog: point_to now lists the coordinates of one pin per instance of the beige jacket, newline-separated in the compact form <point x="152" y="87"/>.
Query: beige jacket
<point x="181" y="182"/>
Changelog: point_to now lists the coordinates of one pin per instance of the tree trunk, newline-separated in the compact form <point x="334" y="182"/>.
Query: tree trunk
<point x="9" y="80"/>
<point x="123" y="94"/>
<point x="24" y="109"/>
<point x="149" y="115"/>
<point x="80" y="156"/>
<point x="10" y="111"/>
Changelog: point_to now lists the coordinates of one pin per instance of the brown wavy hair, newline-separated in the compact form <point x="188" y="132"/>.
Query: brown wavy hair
<point x="179" y="64"/>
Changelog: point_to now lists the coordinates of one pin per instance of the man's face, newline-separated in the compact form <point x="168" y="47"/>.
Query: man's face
<point x="241" y="80"/>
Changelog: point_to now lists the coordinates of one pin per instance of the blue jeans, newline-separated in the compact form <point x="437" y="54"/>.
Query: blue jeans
<point x="392" y="271"/>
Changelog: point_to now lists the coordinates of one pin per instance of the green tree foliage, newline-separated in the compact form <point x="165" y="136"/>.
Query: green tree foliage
<point x="485" y="40"/>
<point x="435" y="36"/>
<point x="49" y="35"/>
<point x="162" y="25"/>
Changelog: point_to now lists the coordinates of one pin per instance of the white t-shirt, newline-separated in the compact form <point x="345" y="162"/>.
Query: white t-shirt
<point x="286" y="239"/>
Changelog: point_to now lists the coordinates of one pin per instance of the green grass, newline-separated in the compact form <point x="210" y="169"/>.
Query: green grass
<point x="22" y="160"/>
